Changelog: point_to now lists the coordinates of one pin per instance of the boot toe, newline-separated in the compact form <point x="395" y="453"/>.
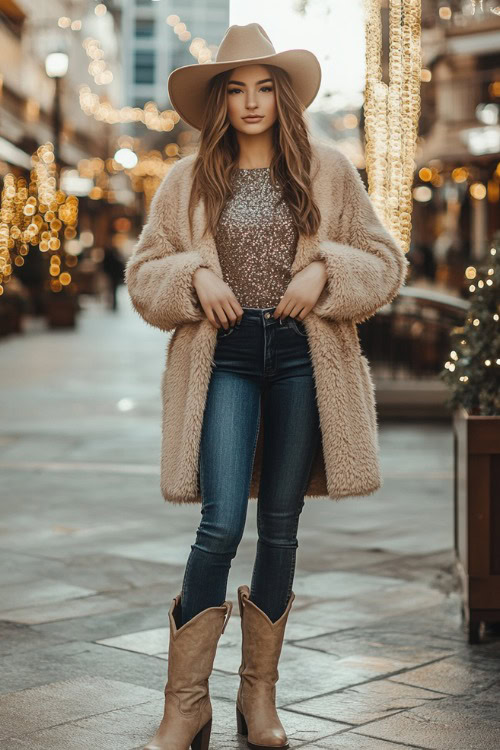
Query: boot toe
<point x="271" y="738"/>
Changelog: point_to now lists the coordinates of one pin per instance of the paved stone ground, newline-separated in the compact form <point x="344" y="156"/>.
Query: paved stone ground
<point x="376" y="656"/>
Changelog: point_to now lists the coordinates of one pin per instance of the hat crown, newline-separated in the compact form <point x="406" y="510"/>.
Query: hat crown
<point x="244" y="42"/>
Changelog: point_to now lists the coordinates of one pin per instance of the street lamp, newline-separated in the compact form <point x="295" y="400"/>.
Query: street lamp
<point x="56" y="66"/>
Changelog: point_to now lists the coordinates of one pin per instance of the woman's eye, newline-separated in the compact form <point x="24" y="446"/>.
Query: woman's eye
<point x="264" y="88"/>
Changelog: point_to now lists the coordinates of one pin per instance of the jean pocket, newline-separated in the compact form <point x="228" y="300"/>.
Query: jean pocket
<point x="222" y="334"/>
<point x="298" y="326"/>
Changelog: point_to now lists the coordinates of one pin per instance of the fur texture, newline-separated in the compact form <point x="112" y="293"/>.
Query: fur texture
<point x="366" y="268"/>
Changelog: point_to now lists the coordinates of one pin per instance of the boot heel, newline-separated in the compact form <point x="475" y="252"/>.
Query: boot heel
<point x="202" y="739"/>
<point x="241" y="723"/>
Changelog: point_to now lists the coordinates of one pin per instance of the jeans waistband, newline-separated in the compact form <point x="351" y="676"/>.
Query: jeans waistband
<point x="260" y="314"/>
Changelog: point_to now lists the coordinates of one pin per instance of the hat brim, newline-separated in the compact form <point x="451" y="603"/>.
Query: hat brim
<point x="188" y="86"/>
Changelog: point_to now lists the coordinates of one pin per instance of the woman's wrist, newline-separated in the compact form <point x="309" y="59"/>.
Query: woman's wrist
<point x="321" y="266"/>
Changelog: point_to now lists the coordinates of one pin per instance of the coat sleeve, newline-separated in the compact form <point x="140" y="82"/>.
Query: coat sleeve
<point x="159" y="275"/>
<point x="367" y="272"/>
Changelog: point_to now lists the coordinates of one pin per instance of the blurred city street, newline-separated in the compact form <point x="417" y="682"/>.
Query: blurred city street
<point x="375" y="652"/>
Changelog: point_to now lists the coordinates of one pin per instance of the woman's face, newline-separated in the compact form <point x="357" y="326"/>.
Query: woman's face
<point x="251" y="99"/>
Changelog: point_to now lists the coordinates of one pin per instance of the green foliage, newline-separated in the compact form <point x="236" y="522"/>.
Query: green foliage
<point x="472" y="372"/>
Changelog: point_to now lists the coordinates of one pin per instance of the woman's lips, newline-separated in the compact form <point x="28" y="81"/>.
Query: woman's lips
<point x="253" y="118"/>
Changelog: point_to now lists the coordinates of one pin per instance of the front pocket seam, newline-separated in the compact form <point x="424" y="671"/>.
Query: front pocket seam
<point x="297" y="329"/>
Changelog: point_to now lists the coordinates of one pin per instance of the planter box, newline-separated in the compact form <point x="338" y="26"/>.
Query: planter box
<point x="60" y="312"/>
<point x="477" y="517"/>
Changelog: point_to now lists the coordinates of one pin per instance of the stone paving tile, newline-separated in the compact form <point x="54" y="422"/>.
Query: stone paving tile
<point x="451" y="676"/>
<point x="366" y="609"/>
<point x="17" y="636"/>
<point x="79" y="659"/>
<point x="123" y="729"/>
<point x="107" y="572"/>
<point x="38" y="591"/>
<point x="105" y="624"/>
<point x="152" y="642"/>
<point x="23" y="713"/>
<point x="435" y="570"/>
<point x="386" y="642"/>
<point x="440" y="626"/>
<point x="445" y="725"/>
<point x="65" y="610"/>
<point x="339" y="557"/>
<point x="355" y="741"/>
<point x="363" y="703"/>
<point x="339" y="584"/>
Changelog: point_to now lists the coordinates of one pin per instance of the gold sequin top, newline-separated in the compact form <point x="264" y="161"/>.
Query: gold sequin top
<point x="256" y="240"/>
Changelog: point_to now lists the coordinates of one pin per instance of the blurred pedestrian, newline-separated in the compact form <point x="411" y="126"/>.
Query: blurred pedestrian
<point x="114" y="267"/>
<point x="261" y="251"/>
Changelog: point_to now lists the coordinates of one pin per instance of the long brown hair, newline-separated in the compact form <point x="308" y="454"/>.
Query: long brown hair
<point x="217" y="157"/>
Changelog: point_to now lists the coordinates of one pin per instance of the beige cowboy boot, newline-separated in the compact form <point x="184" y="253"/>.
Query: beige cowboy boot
<point x="187" y="717"/>
<point x="262" y="641"/>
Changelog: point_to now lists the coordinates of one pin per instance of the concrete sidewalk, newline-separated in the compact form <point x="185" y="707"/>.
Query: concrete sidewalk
<point x="376" y="656"/>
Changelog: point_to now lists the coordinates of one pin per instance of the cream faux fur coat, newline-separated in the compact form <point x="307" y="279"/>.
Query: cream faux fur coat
<point x="366" y="268"/>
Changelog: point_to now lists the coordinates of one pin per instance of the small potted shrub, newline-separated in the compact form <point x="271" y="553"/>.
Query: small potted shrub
<point x="472" y="374"/>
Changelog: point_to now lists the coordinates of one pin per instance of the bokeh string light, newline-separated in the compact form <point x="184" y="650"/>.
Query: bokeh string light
<point x="97" y="68"/>
<point x="392" y="112"/>
<point x="35" y="214"/>
<point x="199" y="48"/>
<point x="149" y="115"/>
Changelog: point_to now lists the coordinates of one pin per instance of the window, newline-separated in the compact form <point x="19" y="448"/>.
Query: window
<point x="145" y="66"/>
<point x="144" y="28"/>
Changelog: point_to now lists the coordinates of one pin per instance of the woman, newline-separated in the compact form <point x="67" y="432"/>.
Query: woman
<point x="261" y="252"/>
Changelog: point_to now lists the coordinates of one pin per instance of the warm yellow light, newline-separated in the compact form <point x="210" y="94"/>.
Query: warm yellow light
<point x="425" y="75"/>
<point x="478" y="190"/>
<point x="445" y="13"/>
<point x="425" y="174"/>
<point x="459" y="174"/>
<point x="470" y="272"/>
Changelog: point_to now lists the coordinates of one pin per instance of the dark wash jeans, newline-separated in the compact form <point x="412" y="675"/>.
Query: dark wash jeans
<point x="260" y="363"/>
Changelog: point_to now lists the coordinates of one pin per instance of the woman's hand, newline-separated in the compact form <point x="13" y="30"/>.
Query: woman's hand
<point x="303" y="291"/>
<point x="216" y="298"/>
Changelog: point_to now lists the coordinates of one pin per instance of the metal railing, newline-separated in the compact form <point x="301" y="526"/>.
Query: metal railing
<point x="410" y="338"/>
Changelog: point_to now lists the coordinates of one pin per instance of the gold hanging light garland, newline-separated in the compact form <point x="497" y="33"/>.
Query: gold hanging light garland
<point x="392" y="112"/>
<point x="35" y="214"/>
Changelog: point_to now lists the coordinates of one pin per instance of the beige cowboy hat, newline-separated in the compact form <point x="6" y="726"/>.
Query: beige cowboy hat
<point x="242" y="45"/>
